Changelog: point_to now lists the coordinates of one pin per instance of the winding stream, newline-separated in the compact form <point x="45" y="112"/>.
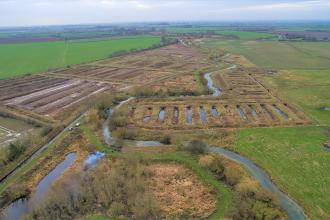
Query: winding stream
<point x="215" y="90"/>
<point x="24" y="205"/>
<point x="295" y="212"/>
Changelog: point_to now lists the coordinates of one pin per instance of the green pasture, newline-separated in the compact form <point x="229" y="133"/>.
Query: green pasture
<point x="19" y="59"/>
<point x="279" y="55"/>
<point x="296" y="160"/>
<point x="246" y="35"/>
<point x="307" y="88"/>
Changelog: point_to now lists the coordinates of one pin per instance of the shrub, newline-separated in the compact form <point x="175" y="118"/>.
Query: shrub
<point x="212" y="163"/>
<point x="166" y="139"/>
<point x="124" y="133"/>
<point x="117" y="209"/>
<point x="196" y="147"/>
<point x="93" y="119"/>
<point x="118" y="145"/>
<point x="15" y="150"/>
<point x="116" y="187"/>
<point x="118" y="119"/>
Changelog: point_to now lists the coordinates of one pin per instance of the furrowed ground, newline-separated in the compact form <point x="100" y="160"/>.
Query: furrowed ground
<point x="19" y="59"/>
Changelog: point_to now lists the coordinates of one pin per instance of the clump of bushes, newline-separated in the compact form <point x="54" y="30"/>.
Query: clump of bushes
<point x="166" y="139"/>
<point x="250" y="200"/>
<point x="113" y="188"/>
<point x="93" y="119"/>
<point x="196" y="147"/>
<point x="125" y="133"/>
<point x="146" y="92"/>
<point x="214" y="164"/>
<point x="118" y="119"/>
<point x="17" y="148"/>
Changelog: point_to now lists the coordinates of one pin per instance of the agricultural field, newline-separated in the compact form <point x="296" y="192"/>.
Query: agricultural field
<point x="20" y="59"/>
<point x="279" y="55"/>
<point x="246" y="35"/>
<point x="47" y="95"/>
<point x="225" y="31"/>
<point x="142" y="67"/>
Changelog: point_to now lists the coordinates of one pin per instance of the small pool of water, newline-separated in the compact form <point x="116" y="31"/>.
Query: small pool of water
<point x="202" y="115"/>
<point x="279" y="111"/>
<point x="215" y="112"/>
<point x="23" y="206"/>
<point x="254" y="112"/>
<point x="189" y="115"/>
<point x="161" y="115"/>
<point x="93" y="159"/>
<point x="325" y="108"/>
<point x="241" y="112"/>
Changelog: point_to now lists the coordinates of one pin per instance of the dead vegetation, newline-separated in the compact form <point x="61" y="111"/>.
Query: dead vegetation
<point x="179" y="194"/>
<point x="154" y="191"/>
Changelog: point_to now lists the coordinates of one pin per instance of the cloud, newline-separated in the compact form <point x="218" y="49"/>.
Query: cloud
<point x="36" y="12"/>
<point x="287" y="5"/>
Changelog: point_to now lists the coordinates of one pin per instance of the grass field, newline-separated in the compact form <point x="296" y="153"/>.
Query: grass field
<point x="18" y="59"/>
<point x="280" y="55"/>
<point x="307" y="88"/>
<point x="297" y="162"/>
<point x="246" y="35"/>
<point x="185" y="30"/>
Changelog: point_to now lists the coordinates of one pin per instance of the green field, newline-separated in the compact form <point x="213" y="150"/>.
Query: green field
<point x="280" y="55"/>
<point x="246" y="35"/>
<point x="187" y="30"/>
<point x="18" y="59"/>
<point x="307" y="88"/>
<point x="297" y="162"/>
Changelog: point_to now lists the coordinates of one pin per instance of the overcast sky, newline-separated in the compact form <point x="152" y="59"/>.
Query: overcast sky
<point x="49" y="12"/>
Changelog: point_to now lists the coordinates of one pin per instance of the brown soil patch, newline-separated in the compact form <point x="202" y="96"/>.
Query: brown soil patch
<point x="179" y="193"/>
<point x="180" y="83"/>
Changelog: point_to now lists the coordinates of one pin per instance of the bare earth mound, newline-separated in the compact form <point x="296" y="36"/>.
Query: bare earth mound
<point x="179" y="193"/>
